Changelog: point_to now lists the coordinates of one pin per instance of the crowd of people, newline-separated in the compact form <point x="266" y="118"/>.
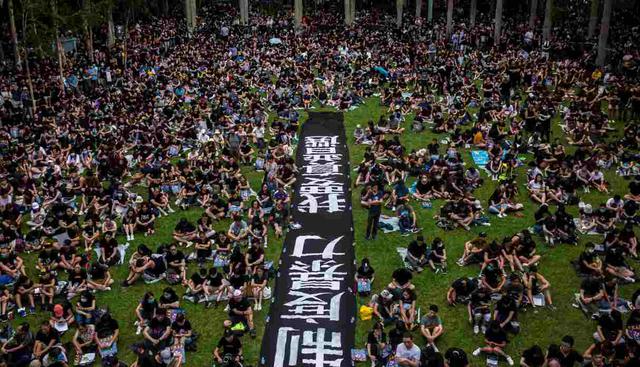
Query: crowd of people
<point x="174" y="121"/>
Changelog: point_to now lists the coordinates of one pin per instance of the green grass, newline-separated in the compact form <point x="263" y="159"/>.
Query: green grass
<point x="537" y="328"/>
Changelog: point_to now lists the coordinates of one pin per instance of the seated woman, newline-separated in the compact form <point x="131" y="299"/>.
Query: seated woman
<point x="438" y="256"/>
<point x="83" y="341"/>
<point x="407" y="219"/>
<point x="214" y="286"/>
<point x="145" y="311"/>
<point x="106" y="336"/>
<point x="537" y="190"/>
<point x="506" y="312"/>
<point x="616" y="265"/>
<point x="365" y="275"/>
<point x="536" y="284"/>
<point x="610" y="328"/>
<point x="460" y="290"/>
<point x="184" y="232"/>
<point x="492" y="278"/>
<point x="589" y="263"/>
<point x="495" y="341"/>
<point x="153" y="269"/>
<point x="145" y="221"/>
<point x="259" y="281"/>
<point x="196" y="285"/>
<point x="169" y="300"/>
<point x="377" y="347"/>
<point x="408" y="308"/>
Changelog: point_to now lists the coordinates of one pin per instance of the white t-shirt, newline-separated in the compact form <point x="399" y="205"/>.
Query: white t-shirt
<point x="412" y="354"/>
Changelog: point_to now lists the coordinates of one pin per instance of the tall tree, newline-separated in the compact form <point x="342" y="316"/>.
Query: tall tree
<point x="472" y="12"/>
<point x="533" y="14"/>
<point x="546" y="27"/>
<point x="418" y="8"/>
<point x="604" y="33"/>
<point x="399" y="11"/>
<point x="449" y="17"/>
<point x="298" y="11"/>
<point x="593" y="18"/>
<point x="497" y="31"/>
<point x="14" y="34"/>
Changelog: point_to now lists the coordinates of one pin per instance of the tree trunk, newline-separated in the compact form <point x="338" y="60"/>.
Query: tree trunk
<point x="111" y="38"/>
<point x="188" y="16"/>
<point x="164" y="5"/>
<point x="29" y="80"/>
<point x="352" y="8"/>
<point x="59" y="50"/>
<point x="593" y="18"/>
<point x="534" y="14"/>
<point x="546" y="28"/>
<point x="604" y="33"/>
<point x="399" y="9"/>
<point x="347" y="12"/>
<point x="88" y="34"/>
<point x="497" y="31"/>
<point x="449" y="17"/>
<point x="418" y="8"/>
<point x="14" y="35"/>
<point x="430" y="11"/>
<point x="472" y="12"/>
<point x="298" y="10"/>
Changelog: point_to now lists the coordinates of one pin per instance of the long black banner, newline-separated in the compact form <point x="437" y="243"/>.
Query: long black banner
<point x="312" y="317"/>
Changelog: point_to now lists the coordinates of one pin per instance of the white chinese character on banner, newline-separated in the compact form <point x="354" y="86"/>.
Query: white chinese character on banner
<point x="311" y="204"/>
<point x="322" y="157"/>
<point x="327" y="250"/>
<point x="320" y="141"/>
<point x="321" y="352"/>
<point x="322" y="169"/>
<point x="320" y="150"/>
<point x="320" y="275"/>
<point x="321" y="190"/>
<point x="310" y="307"/>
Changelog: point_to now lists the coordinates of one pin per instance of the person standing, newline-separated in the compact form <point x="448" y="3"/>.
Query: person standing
<point x="374" y="203"/>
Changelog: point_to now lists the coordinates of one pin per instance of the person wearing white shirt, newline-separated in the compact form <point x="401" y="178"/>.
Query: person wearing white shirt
<point x="407" y="353"/>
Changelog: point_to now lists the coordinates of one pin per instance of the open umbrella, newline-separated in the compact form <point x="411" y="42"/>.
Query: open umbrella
<point x="275" y="41"/>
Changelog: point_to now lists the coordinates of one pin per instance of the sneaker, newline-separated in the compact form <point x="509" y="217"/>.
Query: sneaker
<point x="476" y="329"/>
<point x="483" y="329"/>
<point x="477" y="352"/>
<point x="139" y="330"/>
<point x="510" y="360"/>
<point x="22" y="312"/>
<point x="32" y="310"/>
<point x="226" y="309"/>
<point x="107" y="288"/>
<point x="189" y="244"/>
<point x="435" y="349"/>
<point x="552" y="307"/>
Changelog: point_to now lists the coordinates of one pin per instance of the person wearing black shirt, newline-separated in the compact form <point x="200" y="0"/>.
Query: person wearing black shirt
<point x="377" y="345"/>
<point x="495" y="339"/>
<point x="532" y="357"/>
<point x="505" y="313"/>
<point x="616" y="265"/>
<point x="461" y="290"/>
<point x="169" y="299"/>
<point x="182" y="331"/>
<point x="107" y="333"/>
<point x="456" y="357"/>
<point x="610" y="328"/>
<point x="591" y="295"/>
<point x="157" y="332"/>
<point x="110" y="255"/>
<point x="364" y="277"/>
<point x="565" y="354"/>
<point x="176" y="261"/>
<point x="195" y="284"/>
<point x="46" y="338"/>
<point x="229" y="348"/>
<point x="374" y="203"/>
<point x="417" y="254"/>
<point x="240" y="311"/>
<point x="478" y="309"/>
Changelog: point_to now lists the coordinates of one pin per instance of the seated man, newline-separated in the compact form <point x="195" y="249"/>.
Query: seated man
<point x="240" y="311"/>
<point x="46" y="339"/>
<point x="407" y="353"/>
<point x="591" y="298"/>
<point x="431" y="326"/>
<point x="228" y="349"/>
<point x="151" y="268"/>
<point x="495" y="339"/>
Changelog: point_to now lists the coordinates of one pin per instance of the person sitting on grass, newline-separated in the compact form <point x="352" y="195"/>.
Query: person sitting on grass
<point x="438" y="256"/>
<point x="407" y="353"/>
<point x="384" y="307"/>
<point x="492" y="278"/>
<point x="474" y="250"/>
<point x="431" y="326"/>
<point x="479" y="310"/>
<point x="495" y="340"/>
<point x="417" y="254"/>
<point x="151" y="268"/>
<point x="240" y="311"/>
<point x="461" y="290"/>
<point x="377" y="348"/>
<point x="536" y="284"/>
<point x="184" y="233"/>
<point x="408" y="308"/>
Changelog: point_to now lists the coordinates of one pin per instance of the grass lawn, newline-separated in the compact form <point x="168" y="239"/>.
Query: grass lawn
<point x="540" y="328"/>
